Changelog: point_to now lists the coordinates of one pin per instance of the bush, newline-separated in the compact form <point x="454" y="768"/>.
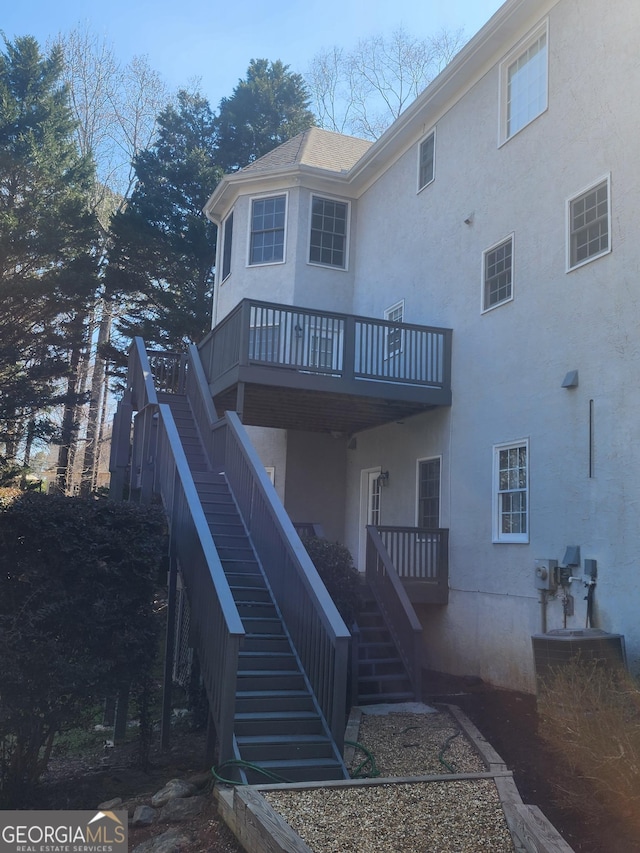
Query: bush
<point x="590" y="716"/>
<point x="77" y="582"/>
<point x="334" y="564"/>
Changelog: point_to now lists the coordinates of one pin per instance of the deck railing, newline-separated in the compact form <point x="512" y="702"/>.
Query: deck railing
<point x="329" y="344"/>
<point x="397" y="610"/>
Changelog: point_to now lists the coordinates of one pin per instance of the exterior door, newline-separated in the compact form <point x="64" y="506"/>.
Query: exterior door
<point x="369" y="508"/>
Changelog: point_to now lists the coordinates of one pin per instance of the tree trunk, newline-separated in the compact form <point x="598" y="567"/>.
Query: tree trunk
<point x="98" y="379"/>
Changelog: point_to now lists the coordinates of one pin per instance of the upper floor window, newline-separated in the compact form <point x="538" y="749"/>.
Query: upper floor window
<point x="524" y="81"/>
<point x="511" y="492"/>
<point x="393" y="341"/>
<point x="429" y="493"/>
<point x="267" y="230"/>
<point x="328" y="244"/>
<point x="589" y="215"/>
<point x="498" y="274"/>
<point x="227" y="240"/>
<point x="426" y="165"/>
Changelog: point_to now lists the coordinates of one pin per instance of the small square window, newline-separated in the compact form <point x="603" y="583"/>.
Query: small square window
<point x="589" y="225"/>
<point x="524" y="81"/>
<point x="267" y="230"/>
<point x="511" y="492"/>
<point x="426" y="167"/>
<point x="498" y="274"/>
<point x="328" y="243"/>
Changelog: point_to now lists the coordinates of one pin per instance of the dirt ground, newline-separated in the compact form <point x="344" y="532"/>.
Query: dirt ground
<point x="508" y="720"/>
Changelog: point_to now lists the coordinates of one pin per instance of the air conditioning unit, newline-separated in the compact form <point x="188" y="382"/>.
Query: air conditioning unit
<point x="563" y="646"/>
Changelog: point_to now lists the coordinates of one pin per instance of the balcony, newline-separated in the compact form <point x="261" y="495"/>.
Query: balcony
<point x="295" y="368"/>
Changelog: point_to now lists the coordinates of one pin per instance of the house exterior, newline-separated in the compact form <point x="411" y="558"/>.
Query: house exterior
<point x="500" y="206"/>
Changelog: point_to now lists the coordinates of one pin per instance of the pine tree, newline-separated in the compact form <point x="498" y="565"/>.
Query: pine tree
<point x="265" y="110"/>
<point x="162" y="257"/>
<point x="47" y="262"/>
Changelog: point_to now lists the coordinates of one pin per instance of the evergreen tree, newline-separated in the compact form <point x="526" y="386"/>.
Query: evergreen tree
<point x="162" y="257"/>
<point x="47" y="262"/>
<point x="265" y="110"/>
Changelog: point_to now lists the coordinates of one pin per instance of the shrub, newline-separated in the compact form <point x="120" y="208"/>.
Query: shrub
<point x="590" y="716"/>
<point x="77" y="581"/>
<point x="334" y="564"/>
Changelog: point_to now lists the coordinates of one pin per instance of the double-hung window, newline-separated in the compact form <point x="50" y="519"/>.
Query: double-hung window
<point x="394" y="334"/>
<point x="511" y="492"/>
<point x="498" y="274"/>
<point x="589" y="225"/>
<point x="227" y="242"/>
<point x="524" y="82"/>
<point x="426" y="162"/>
<point x="328" y="243"/>
<point x="429" y="493"/>
<point x="267" y="230"/>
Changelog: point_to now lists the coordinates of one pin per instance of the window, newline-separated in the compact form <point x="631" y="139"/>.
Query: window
<point x="264" y="343"/>
<point x="227" y="241"/>
<point x="524" y="83"/>
<point x="427" y="160"/>
<point x="321" y="351"/>
<point x="589" y="225"/>
<point x="267" y="230"/>
<point x="395" y="314"/>
<point x="510" y="489"/>
<point x="328" y="244"/>
<point x="429" y="493"/>
<point x="498" y="274"/>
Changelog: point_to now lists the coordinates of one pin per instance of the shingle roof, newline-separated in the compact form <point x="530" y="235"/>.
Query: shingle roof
<point x="322" y="149"/>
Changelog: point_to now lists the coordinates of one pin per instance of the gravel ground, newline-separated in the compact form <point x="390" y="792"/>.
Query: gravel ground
<point x="457" y="816"/>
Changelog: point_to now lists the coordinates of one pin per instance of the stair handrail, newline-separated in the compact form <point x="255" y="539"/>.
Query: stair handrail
<point x="393" y="601"/>
<point x="217" y="629"/>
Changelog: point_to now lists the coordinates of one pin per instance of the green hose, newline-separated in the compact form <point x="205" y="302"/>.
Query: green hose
<point x="359" y="772"/>
<point x="244" y="765"/>
<point x="446" y="746"/>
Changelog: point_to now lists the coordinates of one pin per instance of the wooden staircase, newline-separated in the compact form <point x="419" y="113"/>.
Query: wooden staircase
<point x="382" y="675"/>
<point x="278" y="725"/>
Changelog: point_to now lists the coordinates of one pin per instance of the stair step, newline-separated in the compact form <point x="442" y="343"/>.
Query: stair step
<point x="264" y="723"/>
<point x="252" y="583"/>
<point x="259" y="748"/>
<point x="270" y="680"/>
<point x="274" y="700"/>
<point x="244" y="593"/>
<point x="378" y="698"/>
<point x="382" y="666"/>
<point x="373" y="651"/>
<point x="257" y="609"/>
<point x="255" y="625"/>
<point x="233" y="566"/>
<point x="267" y="643"/>
<point x="227" y="528"/>
<point x="229" y="551"/>
<point x="302" y="770"/>
<point x="285" y="660"/>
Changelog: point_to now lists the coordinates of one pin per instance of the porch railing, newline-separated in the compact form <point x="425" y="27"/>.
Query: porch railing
<point x="329" y="344"/>
<point x="420" y="556"/>
<point x="397" y="610"/>
<point x="316" y="628"/>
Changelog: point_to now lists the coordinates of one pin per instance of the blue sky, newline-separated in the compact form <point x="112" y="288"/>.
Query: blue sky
<point x="214" y="41"/>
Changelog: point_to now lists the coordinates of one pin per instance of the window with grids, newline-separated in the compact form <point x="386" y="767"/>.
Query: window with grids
<point x="498" y="274"/>
<point x="267" y="230"/>
<point x="426" y="165"/>
<point x="525" y="85"/>
<point x="227" y="242"/>
<point x="511" y="491"/>
<point x="429" y="494"/>
<point x="328" y="244"/>
<point x="394" y="334"/>
<point x="589" y="225"/>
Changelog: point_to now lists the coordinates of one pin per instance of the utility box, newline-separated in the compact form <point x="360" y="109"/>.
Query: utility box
<point x="546" y="573"/>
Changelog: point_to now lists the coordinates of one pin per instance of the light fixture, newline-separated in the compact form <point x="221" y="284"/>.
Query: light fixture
<point x="383" y="478"/>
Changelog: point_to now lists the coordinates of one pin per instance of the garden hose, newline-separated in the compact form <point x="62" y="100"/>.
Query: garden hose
<point x="244" y="765"/>
<point x="359" y="772"/>
<point x="446" y="746"/>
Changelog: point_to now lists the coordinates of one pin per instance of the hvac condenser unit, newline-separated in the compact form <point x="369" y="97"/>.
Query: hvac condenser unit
<point x="558" y="648"/>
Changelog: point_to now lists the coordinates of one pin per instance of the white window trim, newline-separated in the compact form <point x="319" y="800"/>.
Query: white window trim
<point x="249" y="232"/>
<point x="498" y="537"/>
<point x="310" y="263"/>
<point x="511" y="237"/>
<point x="222" y="248"/>
<point x="503" y="87"/>
<point x="432" y="132"/>
<point x="418" y="461"/>
<point x="387" y="316"/>
<point x="572" y="198"/>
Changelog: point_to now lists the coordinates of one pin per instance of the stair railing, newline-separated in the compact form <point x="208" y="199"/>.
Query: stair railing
<point x="397" y="610"/>
<point x="316" y="628"/>
<point x="215" y="623"/>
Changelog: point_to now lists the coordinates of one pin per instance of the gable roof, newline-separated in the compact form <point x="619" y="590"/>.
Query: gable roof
<point x="321" y="149"/>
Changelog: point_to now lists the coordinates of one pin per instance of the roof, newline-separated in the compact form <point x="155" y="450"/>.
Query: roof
<point x="322" y="149"/>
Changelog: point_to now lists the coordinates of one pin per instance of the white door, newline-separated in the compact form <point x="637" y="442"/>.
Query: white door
<point x="369" y="508"/>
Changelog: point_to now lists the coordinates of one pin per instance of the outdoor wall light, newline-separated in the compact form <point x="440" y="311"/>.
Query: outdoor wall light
<point x="383" y="478"/>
